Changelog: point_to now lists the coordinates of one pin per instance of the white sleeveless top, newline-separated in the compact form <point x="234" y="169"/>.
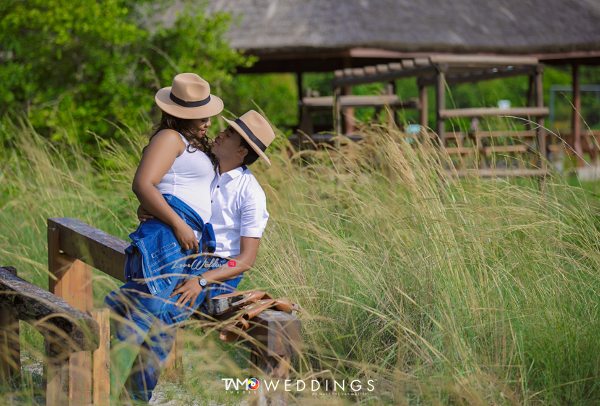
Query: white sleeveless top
<point x="189" y="179"/>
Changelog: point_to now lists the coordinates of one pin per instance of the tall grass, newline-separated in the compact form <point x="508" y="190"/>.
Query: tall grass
<point x="442" y="290"/>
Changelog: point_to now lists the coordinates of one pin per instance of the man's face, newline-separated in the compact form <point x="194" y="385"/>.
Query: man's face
<point x="226" y="145"/>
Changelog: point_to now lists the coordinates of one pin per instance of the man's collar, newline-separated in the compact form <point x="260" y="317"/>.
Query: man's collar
<point x="234" y="173"/>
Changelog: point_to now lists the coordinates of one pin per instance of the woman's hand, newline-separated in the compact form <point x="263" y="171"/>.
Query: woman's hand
<point x="185" y="236"/>
<point x="143" y="215"/>
<point x="190" y="289"/>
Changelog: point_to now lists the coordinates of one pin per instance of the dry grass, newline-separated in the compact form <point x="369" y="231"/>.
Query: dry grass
<point x="441" y="290"/>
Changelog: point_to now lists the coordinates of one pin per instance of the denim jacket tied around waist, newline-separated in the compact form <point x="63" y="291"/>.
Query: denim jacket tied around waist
<point x="160" y="251"/>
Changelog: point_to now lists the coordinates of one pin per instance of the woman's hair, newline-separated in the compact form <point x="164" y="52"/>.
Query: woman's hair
<point x="183" y="127"/>
<point x="251" y="156"/>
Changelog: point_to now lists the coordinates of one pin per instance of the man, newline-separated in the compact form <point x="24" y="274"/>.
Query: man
<point x="239" y="217"/>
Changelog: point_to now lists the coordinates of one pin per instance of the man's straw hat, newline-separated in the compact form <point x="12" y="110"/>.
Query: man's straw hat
<point x="189" y="98"/>
<point x="255" y="129"/>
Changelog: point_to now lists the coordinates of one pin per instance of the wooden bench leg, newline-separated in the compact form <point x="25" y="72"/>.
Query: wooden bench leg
<point x="56" y="376"/>
<point x="101" y="359"/>
<point x="10" y="346"/>
<point x="174" y="364"/>
<point x="71" y="280"/>
<point x="277" y="368"/>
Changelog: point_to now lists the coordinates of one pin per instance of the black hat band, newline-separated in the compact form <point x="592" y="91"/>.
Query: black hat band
<point x="184" y="103"/>
<point x="251" y="135"/>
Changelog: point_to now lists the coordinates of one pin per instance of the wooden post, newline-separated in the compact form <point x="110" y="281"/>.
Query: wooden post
<point x="174" y="363"/>
<point x="337" y="120"/>
<point x="300" y="93"/>
<point x="276" y="369"/>
<point x="10" y="346"/>
<point x="423" y="117"/>
<point x="71" y="280"/>
<point x="348" y="113"/>
<point x="101" y="359"/>
<point x="440" y="103"/>
<point x="541" y="133"/>
<point x="576" y="121"/>
<point x="531" y="97"/>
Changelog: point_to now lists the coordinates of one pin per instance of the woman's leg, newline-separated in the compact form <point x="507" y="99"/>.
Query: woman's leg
<point x="154" y="352"/>
<point x="133" y="312"/>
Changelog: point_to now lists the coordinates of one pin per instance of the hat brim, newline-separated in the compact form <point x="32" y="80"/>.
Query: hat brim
<point x="212" y="108"/>
<point x="244" y="136"/>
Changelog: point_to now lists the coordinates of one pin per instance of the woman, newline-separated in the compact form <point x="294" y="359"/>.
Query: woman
<point x="173" y="183"/>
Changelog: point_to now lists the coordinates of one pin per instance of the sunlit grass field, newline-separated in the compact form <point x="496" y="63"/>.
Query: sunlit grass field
<point x="443" y="291"/>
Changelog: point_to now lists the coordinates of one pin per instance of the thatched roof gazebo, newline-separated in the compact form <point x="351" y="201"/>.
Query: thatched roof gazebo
<point x="318" y="35"/>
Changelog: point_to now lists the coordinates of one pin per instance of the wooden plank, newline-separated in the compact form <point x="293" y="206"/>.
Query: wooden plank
<point x="382" y="68"/>
<point x="278" y="332"/>
<point x="326" y="102"/>
<point x="489" y="173"/>
<point x="507" y="134"/>
<point x="461" y="150"/>
<point x="440" y="106"/>
<point x="10" y="346"/>
<point x="481" y="76"/>
<point x="101" y="359"/>
<point x="370" y="70"/>
<point x="91" y="245"/>
<point x="505" y="148"/>
<point x="408" y="63"/>
<point x="423" y="114"/>
<point x="277" y="368"/>
<point x="339" y="73"/>
<point x="174" y="363"/>
<point x="73" y="283"/>
<point x="358" y="72"/>
<point x="483" y="60"/>
<point x="56" y="375"/>
<point x="68" y="327"/>
<point x="386" y="77"/>
<point x="541" y="132"/>
<point x="495" y="112"/>
<point x="421" y="61"/>
<point x="395" y="66"/>
<point x="575" y="117"/>
<point x="337" y="111"/>
<point x="80" y="378"/>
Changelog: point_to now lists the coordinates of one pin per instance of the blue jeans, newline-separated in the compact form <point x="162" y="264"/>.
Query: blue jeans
<point x="150" y="323"/>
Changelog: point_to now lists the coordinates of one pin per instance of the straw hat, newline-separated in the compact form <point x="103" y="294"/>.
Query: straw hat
<point x="255" y="129"/>
<point x="188" y="98"/>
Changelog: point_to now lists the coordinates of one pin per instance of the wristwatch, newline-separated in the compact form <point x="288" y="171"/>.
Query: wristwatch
<point x="202" y="282"/>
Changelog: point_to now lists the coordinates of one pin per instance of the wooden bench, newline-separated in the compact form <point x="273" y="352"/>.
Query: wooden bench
<point x="75" y="247"/>
<point x="71" y="338"/>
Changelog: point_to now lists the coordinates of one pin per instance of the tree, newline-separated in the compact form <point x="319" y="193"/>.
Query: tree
<point x="85" y="64"/>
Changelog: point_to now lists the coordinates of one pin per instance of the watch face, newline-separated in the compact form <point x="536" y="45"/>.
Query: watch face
<point x="202" y="282"/>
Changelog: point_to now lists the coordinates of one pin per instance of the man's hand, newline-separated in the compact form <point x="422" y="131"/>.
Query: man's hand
<point x="143" y="215"/>
<point x="189" y="289"/>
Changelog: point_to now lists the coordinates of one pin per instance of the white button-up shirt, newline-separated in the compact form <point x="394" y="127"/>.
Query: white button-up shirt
<point x="239" y="209"/>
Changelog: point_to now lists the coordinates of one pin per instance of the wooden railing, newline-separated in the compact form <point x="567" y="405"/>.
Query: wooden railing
<point x="71" y="338"/>
<point x="74" y="248"/>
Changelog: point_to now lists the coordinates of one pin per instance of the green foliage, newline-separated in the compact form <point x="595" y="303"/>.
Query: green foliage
<point x="275" y="94"/>
<point x="85" y="64"/>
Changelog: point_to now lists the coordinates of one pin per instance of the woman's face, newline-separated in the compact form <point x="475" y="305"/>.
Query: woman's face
<point x="199" y="126"/>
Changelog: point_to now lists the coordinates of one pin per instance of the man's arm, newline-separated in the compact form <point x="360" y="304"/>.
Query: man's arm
<point x="190" y="288"/>
<point x="243" y="262"/>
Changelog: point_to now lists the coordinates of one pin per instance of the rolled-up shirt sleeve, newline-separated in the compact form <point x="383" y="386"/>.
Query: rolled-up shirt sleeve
<point x="254" y="214"/>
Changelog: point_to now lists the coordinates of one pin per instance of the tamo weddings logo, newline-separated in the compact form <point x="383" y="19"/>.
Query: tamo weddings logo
<point x="337" y="388"/>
